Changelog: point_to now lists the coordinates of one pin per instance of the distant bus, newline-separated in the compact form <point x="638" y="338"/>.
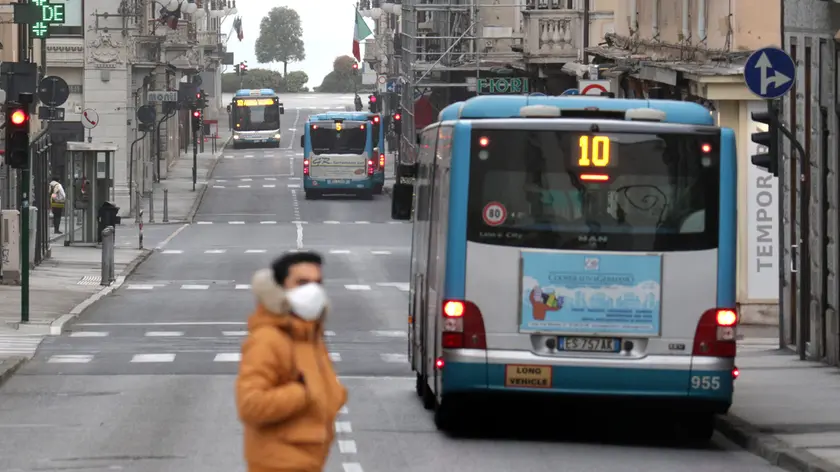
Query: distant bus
<point x="574" y="246"/>
<point x="255" y="115"/>
<point x="378" y="136"/>
<point x="338" y="156"/>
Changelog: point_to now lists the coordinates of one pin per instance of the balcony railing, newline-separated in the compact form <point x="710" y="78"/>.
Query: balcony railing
<point x="210" y="38"/>
<point x="549" y="4"/>
<point x="552" y="35"/>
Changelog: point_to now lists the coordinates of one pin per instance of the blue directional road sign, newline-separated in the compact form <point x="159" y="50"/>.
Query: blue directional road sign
<point x="770" y="73"/>
<point x="392" y="86"/>
<point x="571" y="92"/>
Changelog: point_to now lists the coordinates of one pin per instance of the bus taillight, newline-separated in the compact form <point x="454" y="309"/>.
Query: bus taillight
<point x="382" y="161"/>
<point x="715" y="333"/>
<point x="370" y="167"/>
<point x="306" y="167"/>
<point x="463" y="326"/>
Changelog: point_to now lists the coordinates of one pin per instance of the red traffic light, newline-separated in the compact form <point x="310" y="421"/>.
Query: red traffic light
<point x="355" y="66"/>
<point x="373" y="98"/>
<point x="376" y="119"/>
<point x="196" y="114"/>
<point x="397" y="116"/>
<point x="198" y="95"/>
<point x="19" y="117"/>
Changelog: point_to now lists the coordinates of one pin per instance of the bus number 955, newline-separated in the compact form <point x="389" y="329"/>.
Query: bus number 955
<point x="705" y="382"/>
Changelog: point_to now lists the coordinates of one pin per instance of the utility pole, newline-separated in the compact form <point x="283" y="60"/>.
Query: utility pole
<point x="24" y="184"/>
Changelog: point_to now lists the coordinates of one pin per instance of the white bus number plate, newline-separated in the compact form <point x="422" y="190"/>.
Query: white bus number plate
<point x="338" y="181"/>
<point x="588" y="344"/>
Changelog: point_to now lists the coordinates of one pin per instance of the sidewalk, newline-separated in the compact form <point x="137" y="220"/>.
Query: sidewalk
<point x="785" y="410"/>
<point x="183" y="200"/>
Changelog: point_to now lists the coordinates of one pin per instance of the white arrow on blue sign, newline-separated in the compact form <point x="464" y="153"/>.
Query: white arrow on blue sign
<point x="770" y="73"/>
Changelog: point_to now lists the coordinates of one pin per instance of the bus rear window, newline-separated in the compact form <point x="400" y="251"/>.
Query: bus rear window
<point x="572" y="190"/>
<point x="327" y="140"/>
<point x="374" y="132"/>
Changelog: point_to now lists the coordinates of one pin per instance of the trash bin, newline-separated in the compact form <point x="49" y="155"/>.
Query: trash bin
<point x="107" y="216"/>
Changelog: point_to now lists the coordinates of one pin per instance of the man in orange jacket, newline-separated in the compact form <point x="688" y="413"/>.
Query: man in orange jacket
<point x="287" y="392"/>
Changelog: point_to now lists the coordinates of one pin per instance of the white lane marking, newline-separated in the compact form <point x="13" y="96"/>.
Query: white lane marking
<point x="194" y="287"/>
<point x="335" y="356"/>
<point x="255" y="251"/>
<point x="269" y="185"/>
<point x="339" y="251"/>
<point x="294" y="185"/>
<point x="234" y="333"/>
<point x="173" y="251"/>
<point x="362" y="222"/>
<point x="294" y="131"/>
<point x="218" y="186"/>
<point x="352" y="467"/>
<point x="332" y="222"/>
<point x="268" y="222"/>
<point x="139" y="287"/>
<point x="244" y="186"/>
<point x="221" y="180"/>
<point x="347" y="446"/>
<point x="236" y="222"/>
<point x="228" y="156"/>
<point x="401" y="286"/>
<point x="246" y="180"/>
<point x="249" y="155"/>
<point x="390" y="334"/>
<point x="19" y="344"/>
<point x="393" y="358"/>
<point x="204" y="222"/>
<point x="88" y="334"/>
<point x="380" y="253"/>
<point x="164" y="334"/>
<point x="299" y="228"/>
<point x="270" y="178"/>
<point x="343" y="427"/>
<point x="300" y="222"/>
<point x="172" y="236"/>
<point x="329" y="333"/>
<point x="294" y="178"/>
<point x="152" y="358"/>
<point x="70" y="359"/>
<point x="227" y="357"/>
<point x="242" y="287"/>
<point x="357" y="287"/>
<point x="215" y="251"/>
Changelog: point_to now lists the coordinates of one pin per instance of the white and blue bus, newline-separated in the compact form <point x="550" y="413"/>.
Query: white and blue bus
<point x="574" y="246"/>
<point x="255" y="114"/>
<point x="338" y="156"/>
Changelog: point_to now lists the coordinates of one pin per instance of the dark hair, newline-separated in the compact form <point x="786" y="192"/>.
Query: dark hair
<point x="56" y="178"/>
<point x="282" y="264"/>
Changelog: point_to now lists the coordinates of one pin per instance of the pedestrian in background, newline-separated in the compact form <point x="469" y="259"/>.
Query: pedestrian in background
<point x="57" y="198"/>
<point x="287" y="392"/>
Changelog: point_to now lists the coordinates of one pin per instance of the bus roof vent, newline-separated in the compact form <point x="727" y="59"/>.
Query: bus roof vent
<point x="539" y="111"/>
<point x="644" y="114"/>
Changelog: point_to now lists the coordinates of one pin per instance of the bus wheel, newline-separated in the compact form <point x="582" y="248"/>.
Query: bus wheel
<point x="446" y="414"/>
<point x="428" y="396"/>
<point x="418" y="385"/>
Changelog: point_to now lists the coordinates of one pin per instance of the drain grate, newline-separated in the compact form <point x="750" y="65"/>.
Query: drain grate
<point x="89" y="280"/>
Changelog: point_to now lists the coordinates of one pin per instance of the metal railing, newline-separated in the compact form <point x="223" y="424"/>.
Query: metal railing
<point x="41" y="155"/>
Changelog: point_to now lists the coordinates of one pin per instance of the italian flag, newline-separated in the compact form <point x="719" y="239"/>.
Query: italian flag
<point x="360" y="32"/>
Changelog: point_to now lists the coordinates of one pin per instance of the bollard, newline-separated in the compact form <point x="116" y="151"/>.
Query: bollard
<point x="107" y="257"/>
<point x="140" y="227"/>
<point x="166" y="205"/>
<point x="138" y="207"/>
<point x="112" y="247"/>
<point x="152" y="205"/>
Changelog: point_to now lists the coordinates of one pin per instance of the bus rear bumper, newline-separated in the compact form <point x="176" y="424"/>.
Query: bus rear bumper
<point x="657" y="379"/>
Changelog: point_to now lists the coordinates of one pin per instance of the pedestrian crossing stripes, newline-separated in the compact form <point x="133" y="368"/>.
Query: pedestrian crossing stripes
<point x="174" y="252"/>
<point x="215" y="357"/>
<point x="326" y="222"/>
<point x="225" y="285"/>
<point x="19" y="345"/>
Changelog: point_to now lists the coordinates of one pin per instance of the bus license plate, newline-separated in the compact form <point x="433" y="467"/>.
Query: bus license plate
<point x="338" y="181"/>
<point x="581" y="344"/>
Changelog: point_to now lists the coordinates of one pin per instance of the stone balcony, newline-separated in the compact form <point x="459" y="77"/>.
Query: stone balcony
<point x="210" y="39"/>
<point x="552" y="36"/>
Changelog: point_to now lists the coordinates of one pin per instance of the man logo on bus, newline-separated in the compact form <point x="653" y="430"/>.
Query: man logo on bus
<point x="591" y="263"/>
<point x="543" y="301"/>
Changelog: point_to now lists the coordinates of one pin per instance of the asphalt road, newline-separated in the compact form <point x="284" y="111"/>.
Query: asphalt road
<point x="144" y="380"/>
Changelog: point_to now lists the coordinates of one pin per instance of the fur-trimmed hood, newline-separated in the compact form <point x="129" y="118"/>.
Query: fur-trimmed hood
<point x="273" y="307"/>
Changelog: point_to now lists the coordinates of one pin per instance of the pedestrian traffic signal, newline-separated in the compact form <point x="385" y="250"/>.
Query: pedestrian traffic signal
<point x="373" y="103"/>
<point x="17" y="135"/>
<point x="767" y="157"/>
<point x="196" y="120"/>
<point x="397" y="121"/>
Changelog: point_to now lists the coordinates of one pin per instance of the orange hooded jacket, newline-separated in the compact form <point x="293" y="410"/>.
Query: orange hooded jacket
<point x="289" y="425"/>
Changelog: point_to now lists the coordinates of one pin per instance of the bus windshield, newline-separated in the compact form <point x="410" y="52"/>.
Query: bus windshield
<point x="327" y="140"/>
<point x="252" y="115"/>
<point x="568" y="190"/>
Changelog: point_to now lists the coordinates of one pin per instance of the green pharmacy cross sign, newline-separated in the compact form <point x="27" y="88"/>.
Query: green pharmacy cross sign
<point x="47" y="14"/>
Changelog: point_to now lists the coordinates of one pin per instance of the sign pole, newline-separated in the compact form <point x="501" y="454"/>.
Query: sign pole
<point x="195" y="158"/>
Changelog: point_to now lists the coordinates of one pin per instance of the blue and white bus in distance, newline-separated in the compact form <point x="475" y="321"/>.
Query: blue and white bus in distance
<point x="338" y="156"/>
<point x="255" y="114"/>
<point x="577" y="246"/>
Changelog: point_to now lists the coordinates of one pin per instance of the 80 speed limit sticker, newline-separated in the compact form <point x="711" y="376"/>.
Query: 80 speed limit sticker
<point x="494" y="214"/>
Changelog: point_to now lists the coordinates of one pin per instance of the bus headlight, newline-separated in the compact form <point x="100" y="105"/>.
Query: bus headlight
<point x="277" y="136"/>
<point x="235" y="136"/>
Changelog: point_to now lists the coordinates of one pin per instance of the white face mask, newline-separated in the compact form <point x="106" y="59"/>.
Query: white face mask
<point x="307" y="301"/>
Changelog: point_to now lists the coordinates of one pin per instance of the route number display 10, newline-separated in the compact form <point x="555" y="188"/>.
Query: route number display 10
<point x="594" y="151"/>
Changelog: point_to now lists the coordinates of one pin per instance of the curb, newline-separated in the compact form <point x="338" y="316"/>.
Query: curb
<point x="200" y="196"/>
<point x="769" y="448"/>
<point x="57" y="326"/>
<point x="16" y="363"/>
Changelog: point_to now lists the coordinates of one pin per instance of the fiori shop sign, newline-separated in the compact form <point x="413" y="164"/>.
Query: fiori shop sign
<point x="503" y="86"/>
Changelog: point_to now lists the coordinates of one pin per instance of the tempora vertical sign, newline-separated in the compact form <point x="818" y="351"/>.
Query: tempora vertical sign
<point x="762" y="265"/>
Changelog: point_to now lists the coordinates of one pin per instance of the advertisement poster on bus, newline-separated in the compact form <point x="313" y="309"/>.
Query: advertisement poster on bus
<point x="603" y="294"/>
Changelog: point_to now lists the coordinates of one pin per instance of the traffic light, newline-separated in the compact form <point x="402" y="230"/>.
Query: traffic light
<point x="243" y="68"/>
<point x="397" y="120"/>
<point x="355" y="67"/>
<point x="200" y="99"/>
<point x="196" y="120"/>
<point x="767" y="157"/>
<point x="373" y="104"/>
<point x="17" y="135"/>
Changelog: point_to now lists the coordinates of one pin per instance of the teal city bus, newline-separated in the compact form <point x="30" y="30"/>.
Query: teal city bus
<point x="255" y="115"/>
<point x="378" y="136"/>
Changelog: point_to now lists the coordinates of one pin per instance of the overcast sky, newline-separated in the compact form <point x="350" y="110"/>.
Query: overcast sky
<point x="327" y="33"/>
